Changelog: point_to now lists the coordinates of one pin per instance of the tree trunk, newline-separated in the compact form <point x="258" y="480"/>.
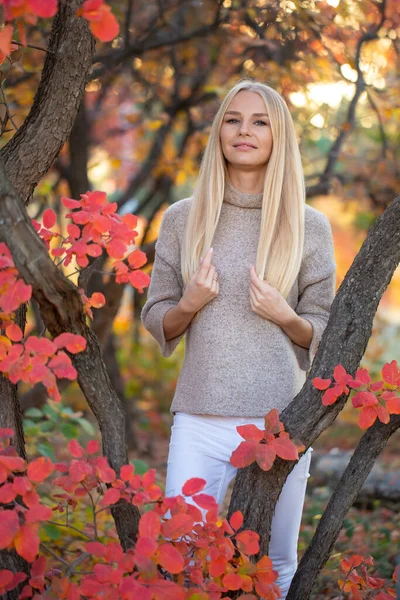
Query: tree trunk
<point x="343" y="342"/>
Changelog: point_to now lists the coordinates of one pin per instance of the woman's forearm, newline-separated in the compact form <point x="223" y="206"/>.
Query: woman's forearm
<point x="176" y="320"/>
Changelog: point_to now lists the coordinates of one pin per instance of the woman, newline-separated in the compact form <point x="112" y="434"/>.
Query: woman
<point x="246" y="270"/>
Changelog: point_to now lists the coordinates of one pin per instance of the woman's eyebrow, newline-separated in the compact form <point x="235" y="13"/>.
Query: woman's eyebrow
<point x="236" y="112"/>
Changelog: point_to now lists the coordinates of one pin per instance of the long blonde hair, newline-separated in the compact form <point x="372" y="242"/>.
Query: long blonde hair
<point x="281" y="239"/>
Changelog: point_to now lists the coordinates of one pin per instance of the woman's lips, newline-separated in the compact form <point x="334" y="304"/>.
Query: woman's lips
<point x="244" y="147"/>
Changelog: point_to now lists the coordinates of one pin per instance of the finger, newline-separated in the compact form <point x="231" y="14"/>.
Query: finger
<point x="214" y="286"/>
<point x="206" y="262"/>
<point x="253" y="296"/>
<point x="210" y="276"/>
<point x="254" y="279"/>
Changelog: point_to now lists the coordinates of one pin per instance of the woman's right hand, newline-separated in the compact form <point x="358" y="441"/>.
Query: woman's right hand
<point x="202" y="287"/>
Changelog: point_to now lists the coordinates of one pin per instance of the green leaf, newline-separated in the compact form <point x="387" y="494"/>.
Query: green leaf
<point x="52" y="531"/>
<point x="46" y="449"/>
<point x="86" y="426"/>
<point x="33" y="413"/>
<point x="46" y="426"/>
<point x="50" y="412"/>
<point x="69" y="430"/>
<point x="141" y="467"/>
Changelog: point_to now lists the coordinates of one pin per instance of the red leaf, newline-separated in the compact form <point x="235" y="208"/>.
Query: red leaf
<point x="205" y="501"/>
<point x="251" y="433"/>
<point x="97" y="300"/>
<point x="139" y="280"/>
<point x="170" y="559"/>
<point x="49" y="218"/>
<point x="149" y="525"/>
<point x="248" y="542"/>
<point x="393" y="405"/>
<point x="14" y="333"/>
<point x="72" y="342"/>
<point x="367" y="417"/>
<point x="92" y="447"/>
<point x="146" y="546"/>
<point x="9" y="526"/>
<point x="177" y="526"/>
<point x="272" y="423"/>
<point x="382" y="413"/>
<point x="103" y="23"/>
<point x="37" y="513"/>
<point x="96" y="548"/>
<point x="75" y="449"/>
<point x="27" y="541"/>
<point x="44" y="8"/>
<point x="5" y="39"/>
<point x="137" y="259"/>
<point x="285" y="448"/>
<point x="244" y="454"/>
<point x="330" y="396"/>
<point x="111" y="496"/>
<point x="39" y="469"/>
<point x="265" y="455"/>
<point x="232" y="581"/>
<point x="163" y="589"/>
<point x="236" y="520"/>
<point x="321" y="384"/>
<point x="193" y="486"/>
<point x="391" y="373"/>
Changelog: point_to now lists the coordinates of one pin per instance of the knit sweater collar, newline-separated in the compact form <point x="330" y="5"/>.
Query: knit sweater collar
<point x="238" y="198"/>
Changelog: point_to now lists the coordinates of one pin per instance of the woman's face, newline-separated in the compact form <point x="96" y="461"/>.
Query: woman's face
<point x="246" y="122"/>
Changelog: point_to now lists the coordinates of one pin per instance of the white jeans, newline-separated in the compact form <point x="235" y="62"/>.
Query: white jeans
<point x="201" y="446"/>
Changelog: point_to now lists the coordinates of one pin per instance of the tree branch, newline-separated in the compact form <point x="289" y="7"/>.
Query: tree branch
<point x="31" y="151"/>
<point x="343" y="342"/>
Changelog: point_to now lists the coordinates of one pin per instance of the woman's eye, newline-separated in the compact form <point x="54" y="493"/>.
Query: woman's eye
<point x="258" y="121"/>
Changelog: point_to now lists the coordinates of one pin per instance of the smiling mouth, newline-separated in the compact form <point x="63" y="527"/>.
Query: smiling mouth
<point x="244" y="146"/>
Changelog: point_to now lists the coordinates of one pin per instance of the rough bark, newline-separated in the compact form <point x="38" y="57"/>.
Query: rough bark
<point x="10" y="410"/>
<point x="343" y="342"/>
<point x="361" y="463"/>
<point x="62" y="310"/>
<point x="31" y="151"/>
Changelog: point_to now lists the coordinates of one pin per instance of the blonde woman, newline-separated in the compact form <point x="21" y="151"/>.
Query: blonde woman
<point x="246" y="269"/>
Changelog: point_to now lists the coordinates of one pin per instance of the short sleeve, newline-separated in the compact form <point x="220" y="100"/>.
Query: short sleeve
<point x="316" y="283"/>
<point x="165" y="289"/>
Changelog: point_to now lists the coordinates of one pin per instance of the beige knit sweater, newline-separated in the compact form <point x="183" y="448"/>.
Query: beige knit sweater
<point x="236" y="362"/>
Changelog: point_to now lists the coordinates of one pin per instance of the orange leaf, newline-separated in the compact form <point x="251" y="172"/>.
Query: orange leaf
<point x="97" y="300"/>
<point x="248" y="542"/>
<point x="27" y="541"/>
<point x="232" y="581"/>
<point x="39" y="469"/>
<point x="193" y="486"/>
<point x="367" y="417"/>
<point x="393" y="405"/>
<point x="137" y="259"/>
<point x="170" y="559"/>
<point x="5" y="39"/>
<point x="14" y="332"/>
<point x="103" y="23"/>
<point x="177" y="526"/>
<point x="236" y="520"/>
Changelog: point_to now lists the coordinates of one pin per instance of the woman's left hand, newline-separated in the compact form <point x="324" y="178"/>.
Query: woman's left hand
<point x="266" y="301"/>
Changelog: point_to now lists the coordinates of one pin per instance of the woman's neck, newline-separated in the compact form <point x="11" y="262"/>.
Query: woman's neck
<point x="247" y="183"/>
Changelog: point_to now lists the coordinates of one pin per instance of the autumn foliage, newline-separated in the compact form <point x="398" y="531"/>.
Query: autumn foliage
<point x="103" y="23"/>
<point x="263" y="446"/>
<point x="95" y="227"/>
<point x="177" y="554"/>
<point x="377" y="400"/>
